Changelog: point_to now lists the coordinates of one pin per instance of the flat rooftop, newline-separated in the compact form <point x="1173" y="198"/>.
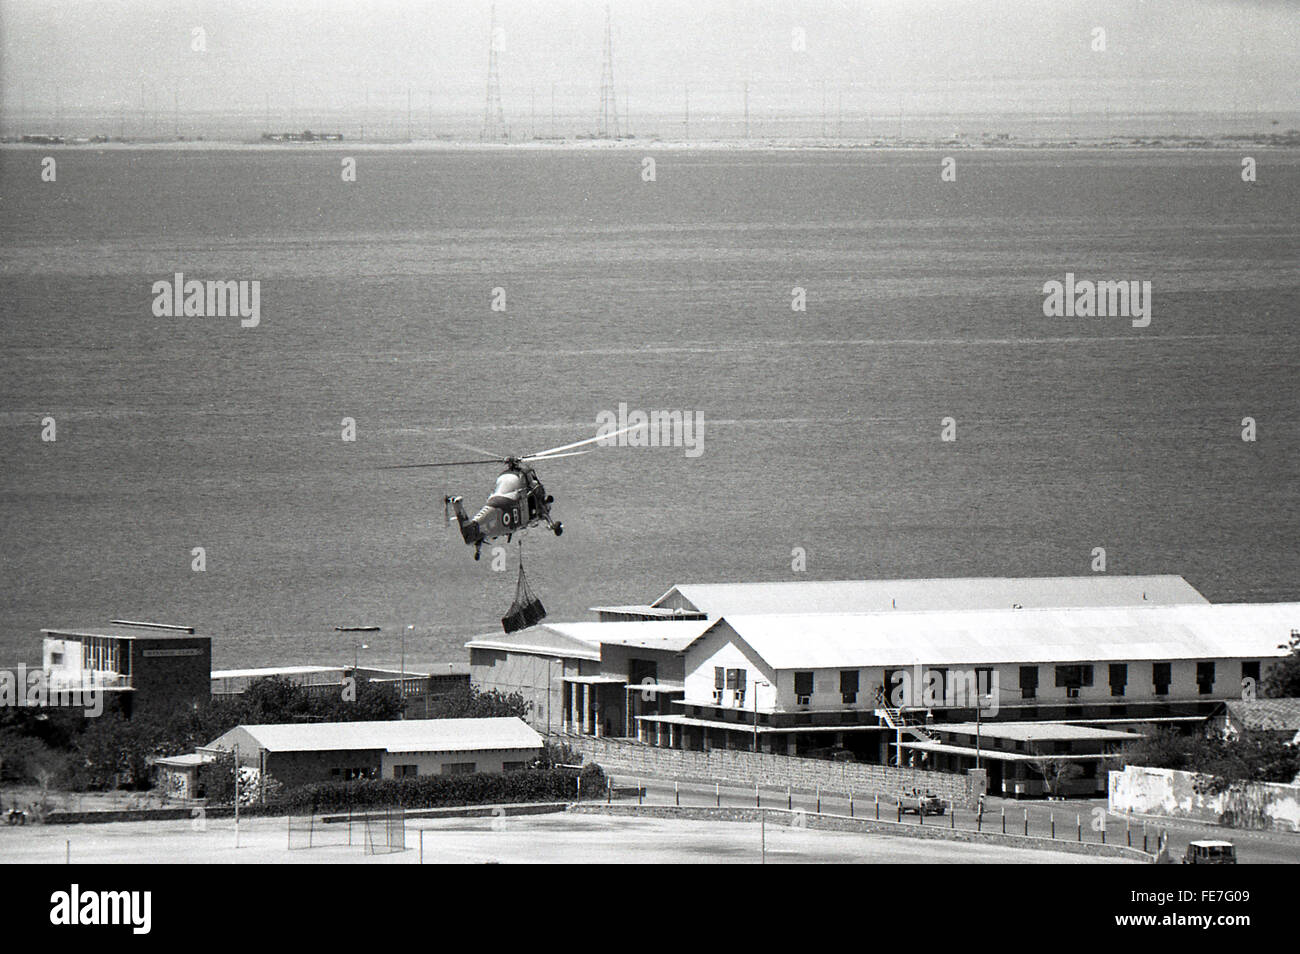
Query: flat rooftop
<point x="122" y="631"/>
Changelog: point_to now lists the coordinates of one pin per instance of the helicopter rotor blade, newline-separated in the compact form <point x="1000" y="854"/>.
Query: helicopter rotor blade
<point x="534" y="457"/>
<point x="476" y="450"/>
<point x="447" y="463"/>
<point x="589" y="440"/>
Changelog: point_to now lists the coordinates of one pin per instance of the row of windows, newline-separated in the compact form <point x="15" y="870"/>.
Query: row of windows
<point x="1071" y="678"/>
<point x="1074" y="678"/>
<point x="454" y="768"/>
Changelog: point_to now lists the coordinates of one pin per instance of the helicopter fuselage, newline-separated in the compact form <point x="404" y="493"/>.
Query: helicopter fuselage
<point x="517" y="502"/>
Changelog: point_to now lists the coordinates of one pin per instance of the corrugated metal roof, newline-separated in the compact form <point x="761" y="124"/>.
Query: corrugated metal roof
<point x="969" y="593"/>
<point x="583" y="640"/>
<point x="539" y="641"/>
<point x="409" y="735"/>
<point x="1274" y="715"/>
<point x="669" y="635"/>
<point x="273" y="671"/>
<point x="1034" y="731"/>
<point x="986" y="637"/>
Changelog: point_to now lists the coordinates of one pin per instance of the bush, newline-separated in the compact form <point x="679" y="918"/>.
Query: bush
<point x="442" y="791"/>
<point x="1254" y="757"/>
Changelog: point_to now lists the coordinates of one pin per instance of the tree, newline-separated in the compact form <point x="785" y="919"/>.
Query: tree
<point x="470" y="702"/>
<point x="1283" y="679"/>
<point x="1056" y="771"/>
<point x="1252" y="757"/>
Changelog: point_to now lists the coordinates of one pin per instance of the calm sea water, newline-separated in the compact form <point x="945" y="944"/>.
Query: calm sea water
<point x="821" y="428"/>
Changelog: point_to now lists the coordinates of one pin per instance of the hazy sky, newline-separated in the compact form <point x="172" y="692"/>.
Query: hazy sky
<point x="942" y="55"/>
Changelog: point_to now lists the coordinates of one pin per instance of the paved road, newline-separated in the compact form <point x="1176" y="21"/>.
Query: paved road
<point x="1252" y="847"/>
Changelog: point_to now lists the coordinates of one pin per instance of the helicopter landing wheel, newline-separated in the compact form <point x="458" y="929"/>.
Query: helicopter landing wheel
<point x="478" y="551"/>
<point x="558" y="528"/>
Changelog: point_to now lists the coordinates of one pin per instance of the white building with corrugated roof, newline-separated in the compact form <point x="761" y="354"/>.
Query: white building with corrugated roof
<point x="856" y="668"/>
<point x="298" y="753"/>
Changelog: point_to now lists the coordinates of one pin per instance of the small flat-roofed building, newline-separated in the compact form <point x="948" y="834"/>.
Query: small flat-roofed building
<point x="714" y="600"/>
<point x="1278" y="717"/>
<point x="142" y="665"/>
<point x="296" y="754"/>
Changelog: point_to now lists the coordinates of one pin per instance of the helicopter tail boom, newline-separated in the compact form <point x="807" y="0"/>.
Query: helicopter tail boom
<point x="469" y="530"/>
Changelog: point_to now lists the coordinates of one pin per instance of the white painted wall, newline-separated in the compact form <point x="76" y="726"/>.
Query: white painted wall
<point x="430" y="763"/>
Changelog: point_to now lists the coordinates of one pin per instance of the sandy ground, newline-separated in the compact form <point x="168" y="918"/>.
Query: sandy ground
<point x="514" y="840"/>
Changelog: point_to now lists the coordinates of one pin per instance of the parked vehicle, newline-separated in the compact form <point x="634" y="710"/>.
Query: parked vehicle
<point x="835" y="753"/>
<point x="921" y="803"/>
<point x="1210" y="853"/>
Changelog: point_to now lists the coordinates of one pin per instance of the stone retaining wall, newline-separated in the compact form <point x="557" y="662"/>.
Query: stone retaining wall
<point x="621" y="757"/>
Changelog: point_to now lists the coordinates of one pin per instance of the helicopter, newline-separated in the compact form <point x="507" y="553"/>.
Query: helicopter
<point x="518" y="500"/>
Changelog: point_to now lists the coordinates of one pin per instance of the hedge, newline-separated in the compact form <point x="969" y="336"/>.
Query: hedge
<point x="440" y="791"/>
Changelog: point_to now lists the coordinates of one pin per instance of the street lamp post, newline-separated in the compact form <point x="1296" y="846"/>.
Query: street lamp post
<point x="757" y="683"/>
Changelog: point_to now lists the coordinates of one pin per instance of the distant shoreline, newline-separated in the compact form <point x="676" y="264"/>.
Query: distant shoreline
<point x="1264" y="140"/>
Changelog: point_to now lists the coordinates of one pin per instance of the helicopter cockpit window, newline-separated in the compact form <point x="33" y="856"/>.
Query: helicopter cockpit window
<point x="507" y="483"/>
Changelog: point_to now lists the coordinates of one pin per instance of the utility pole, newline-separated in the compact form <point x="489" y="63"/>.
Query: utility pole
<point x="686" y="123"/>
<point x="746" y="109"/>
<point x="608" y="126"/>
<point x="494" y="119"/>
<point x="236" y="753"/>
<point x="408" y="114"/>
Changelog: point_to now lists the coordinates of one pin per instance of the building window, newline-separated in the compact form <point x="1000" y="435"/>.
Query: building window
<point x="1161" y="676"/>
<point x="1250" y="670"/>
<point x="404" y="771"/>
<point x="719" y="681"/>
<point x="1118" y="678"/>
<point x="849" y="686"/>
<point x="1205" y="678"/>
<point x="1028" y="682"/>
<point x="736" y="679"/>
<point x="458" y="768"/>
<point x="1072" y="678"/>
<point x="803" y="688"/>
<point x="512" y="766"/>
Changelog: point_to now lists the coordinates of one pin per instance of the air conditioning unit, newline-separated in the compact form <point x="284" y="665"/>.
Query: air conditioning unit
<point x="717" y="696"/>
<point x="803" y="700"/>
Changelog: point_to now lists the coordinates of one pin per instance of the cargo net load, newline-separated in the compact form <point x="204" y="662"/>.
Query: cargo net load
<point x="527" y="610"/>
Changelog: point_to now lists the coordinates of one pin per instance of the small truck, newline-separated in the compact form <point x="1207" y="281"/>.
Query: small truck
<point x="1210" y="853"/>
<point x="921" y="803"/>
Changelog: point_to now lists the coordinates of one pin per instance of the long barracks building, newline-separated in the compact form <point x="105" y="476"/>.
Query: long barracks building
<point x="874" y="668"/>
